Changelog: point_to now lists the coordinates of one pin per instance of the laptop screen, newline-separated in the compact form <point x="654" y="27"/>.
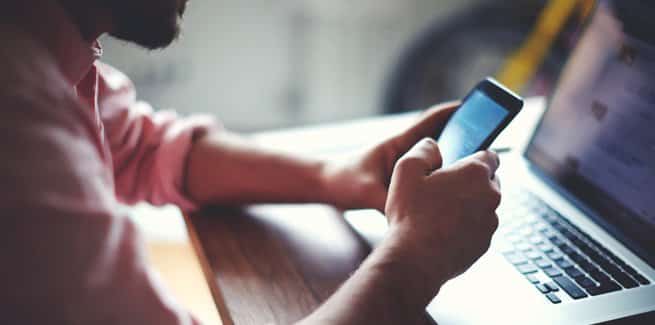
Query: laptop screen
<point x="597" y="138"/>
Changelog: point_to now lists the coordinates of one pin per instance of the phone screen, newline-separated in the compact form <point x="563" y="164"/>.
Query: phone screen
<point x="469" y="127"/>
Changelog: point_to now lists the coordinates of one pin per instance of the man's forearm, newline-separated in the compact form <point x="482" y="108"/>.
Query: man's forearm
<point x="226" y="169"/>
<point x="389" y="288"/>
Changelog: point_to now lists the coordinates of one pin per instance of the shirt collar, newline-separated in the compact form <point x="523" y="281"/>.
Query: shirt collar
<point x="50" y="24"/>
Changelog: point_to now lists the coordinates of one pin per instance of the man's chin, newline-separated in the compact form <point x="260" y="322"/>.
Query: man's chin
<point x="153" y="24"/>
<point x="150" y="36"/>
<point x="182" y="8"/>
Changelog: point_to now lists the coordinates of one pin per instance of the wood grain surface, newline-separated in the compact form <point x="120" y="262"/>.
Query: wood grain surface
<point x="275" y="264"/>
<point x="180" y="271"/>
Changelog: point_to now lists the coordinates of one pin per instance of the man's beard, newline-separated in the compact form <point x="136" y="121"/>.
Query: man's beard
<point x="153" y="24"/>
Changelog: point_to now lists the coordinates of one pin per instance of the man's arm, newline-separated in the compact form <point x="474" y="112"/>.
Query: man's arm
<point x="223" y="168"/>
<point x="388" y="288"/>
<point x="428" y="211"/>
<point x="149" y="149"/>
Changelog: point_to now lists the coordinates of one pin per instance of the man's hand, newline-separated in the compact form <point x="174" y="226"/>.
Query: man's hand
<point x="364" y="182"/>
<point x="443" y="218"/>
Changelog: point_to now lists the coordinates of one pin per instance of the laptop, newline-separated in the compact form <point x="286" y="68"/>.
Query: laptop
<point x="576" y="241"/>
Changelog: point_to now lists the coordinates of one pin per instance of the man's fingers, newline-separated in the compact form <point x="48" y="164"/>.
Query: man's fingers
<point x="429" y="125"/>
<point x="496" y="184"/>
<point x="489" y="159"/>
<point x="421" y="160"/>
<point x="478" y="166"/>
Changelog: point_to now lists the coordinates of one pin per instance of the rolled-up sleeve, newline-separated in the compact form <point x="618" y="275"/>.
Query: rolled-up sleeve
<point x="71" y="256"/>
<point x="149" y="149"/>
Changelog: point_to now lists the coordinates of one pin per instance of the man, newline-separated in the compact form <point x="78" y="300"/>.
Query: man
<point x="75" y="144"/>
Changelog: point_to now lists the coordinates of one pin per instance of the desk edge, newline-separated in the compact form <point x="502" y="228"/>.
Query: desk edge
<point x="217" y="295"/>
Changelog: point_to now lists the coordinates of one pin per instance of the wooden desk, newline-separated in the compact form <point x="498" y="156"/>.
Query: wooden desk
<point x="173" y="257"/>
<point x="276" y="264"/>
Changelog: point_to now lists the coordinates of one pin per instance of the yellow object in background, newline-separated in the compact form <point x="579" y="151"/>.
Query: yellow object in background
<point x="522" y="65"/>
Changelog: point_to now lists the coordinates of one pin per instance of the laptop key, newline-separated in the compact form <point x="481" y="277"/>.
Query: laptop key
<point x="600" y="276"/>
<point x="569" y="287"/>
<point x="546" y="248"/>
<point x="625" y="280"/>
<point x="558" y="226"/>
<point x="540" y="226"/>
<point x="611" y="269"/>
<point x="566" y="249"/>
<point x="599" y="259"/>
<point x="568" y="234"/>
<point x="575" y="257"/>
<point x="535" y="240"/>
<point x="551" y="271"/>
<point x="642" y="280"/>
<point x="552" y="286"/>
<point x="543" y="263"/>
<point x="512" y="238"/>
<point x="585" y="282"/>
<point x="526" y="268"/>
<point x="532" y="254"/>
<point x="574" y="272"/>
<point x="588" y="266"/>
<point x="580" y="243"/>
<point x="564" y="263"/>
<point x="550" y="217"/>
<point x="548" y="233"/>
<point x="532" y="278"/>
<point x="555" y="255"/>
<point x="523" y="246"/>
<point x="604" y="288"/>
<point x="553" y="298"/>
<point x="557" y="241"/>
<point x="630" y="270"/>
<point x="515" y="258"/>
<point x="542" y="288"/>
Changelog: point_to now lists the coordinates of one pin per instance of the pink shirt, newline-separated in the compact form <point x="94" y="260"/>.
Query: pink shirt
<point x="75" y="143"/>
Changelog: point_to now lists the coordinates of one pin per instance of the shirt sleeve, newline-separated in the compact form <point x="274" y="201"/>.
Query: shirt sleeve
<point x="149" y="149"/>
<point x="69" y="256"/>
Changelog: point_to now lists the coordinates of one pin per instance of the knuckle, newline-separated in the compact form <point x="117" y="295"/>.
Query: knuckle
<point x="495" y="197"/>
<point x="478" y="169"/>
<point x="489" y="155"/>
<point x="430" y="142"/>
<point x="428" y="146"/>
<point x="494" y="223"/>
<point x="409" y="162"/>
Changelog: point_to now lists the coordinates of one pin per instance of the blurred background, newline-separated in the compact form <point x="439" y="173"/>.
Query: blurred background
<point x="263" y="64"/>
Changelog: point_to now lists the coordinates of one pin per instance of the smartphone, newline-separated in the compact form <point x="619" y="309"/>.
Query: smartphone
<point x="484" y="113"/>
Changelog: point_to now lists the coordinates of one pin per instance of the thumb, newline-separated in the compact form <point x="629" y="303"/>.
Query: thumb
<point x="421" y="160"/>
<point x="429" y="125"/>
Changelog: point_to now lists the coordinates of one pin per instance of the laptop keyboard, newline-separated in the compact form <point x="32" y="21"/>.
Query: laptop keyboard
<point x="543" y="244"/>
